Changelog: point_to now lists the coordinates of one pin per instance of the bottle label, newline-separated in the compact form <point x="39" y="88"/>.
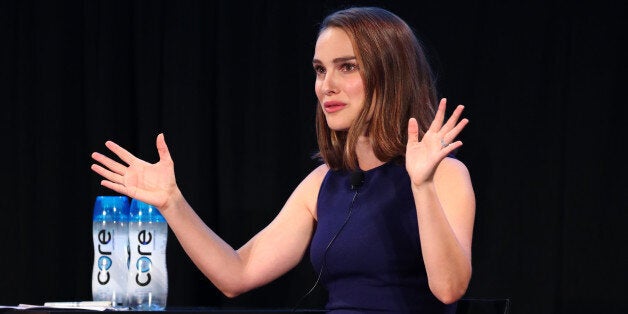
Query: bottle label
<point x="105" y="248"/>
<point x="148" y="277"/>
<point x="148" y="244"/>
<point x="143" y="264"/>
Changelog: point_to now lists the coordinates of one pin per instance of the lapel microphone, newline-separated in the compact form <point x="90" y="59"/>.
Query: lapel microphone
<point x="357" y="179"/>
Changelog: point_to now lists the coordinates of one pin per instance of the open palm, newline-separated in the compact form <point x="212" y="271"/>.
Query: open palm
<point x="149" y="183"/>
<point x="422" y="157"/>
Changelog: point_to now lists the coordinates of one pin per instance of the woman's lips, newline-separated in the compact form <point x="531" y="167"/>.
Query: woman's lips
<point x="333" y="106"/>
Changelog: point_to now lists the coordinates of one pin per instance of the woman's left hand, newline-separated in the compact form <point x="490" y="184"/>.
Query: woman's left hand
<point x="422" y="157"/>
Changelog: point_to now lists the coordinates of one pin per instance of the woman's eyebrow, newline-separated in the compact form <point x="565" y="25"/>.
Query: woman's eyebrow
<point x="336" y="60"/>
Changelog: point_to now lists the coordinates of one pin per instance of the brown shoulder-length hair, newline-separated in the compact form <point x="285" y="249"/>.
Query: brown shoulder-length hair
<point x="398" y="84"/>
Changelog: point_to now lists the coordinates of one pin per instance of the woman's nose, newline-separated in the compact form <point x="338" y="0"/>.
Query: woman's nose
<point x="329" y="86"/>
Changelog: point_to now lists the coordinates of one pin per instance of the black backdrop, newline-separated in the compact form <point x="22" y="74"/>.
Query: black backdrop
<point x="231" y="85"/>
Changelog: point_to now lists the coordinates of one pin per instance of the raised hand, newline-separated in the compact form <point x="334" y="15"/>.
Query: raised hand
<point x="150" y="183"/>
<point x="422" y="157"/>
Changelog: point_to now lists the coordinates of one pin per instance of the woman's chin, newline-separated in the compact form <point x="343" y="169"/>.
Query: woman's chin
<point x="338" y="127"/>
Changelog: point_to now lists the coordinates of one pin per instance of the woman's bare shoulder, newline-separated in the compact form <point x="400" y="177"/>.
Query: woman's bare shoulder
<point x="308" y="189"/>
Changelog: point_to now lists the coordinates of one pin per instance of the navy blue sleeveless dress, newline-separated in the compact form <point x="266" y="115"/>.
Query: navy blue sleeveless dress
<point x="374" y="263"/>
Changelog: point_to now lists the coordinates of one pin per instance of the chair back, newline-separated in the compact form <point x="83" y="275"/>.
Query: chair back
<point x="483" y="306"/>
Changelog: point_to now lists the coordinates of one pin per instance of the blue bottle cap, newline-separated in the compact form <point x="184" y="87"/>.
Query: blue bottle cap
<point x="111" y="208"/>
<point x="143" y="212"/>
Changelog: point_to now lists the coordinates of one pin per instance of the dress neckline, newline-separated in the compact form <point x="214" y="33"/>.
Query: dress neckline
<point x="378" y="167"/>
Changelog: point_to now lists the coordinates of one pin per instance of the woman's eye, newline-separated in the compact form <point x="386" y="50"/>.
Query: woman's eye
<point x="319" y="70"/>
<point x="348" y="67"/>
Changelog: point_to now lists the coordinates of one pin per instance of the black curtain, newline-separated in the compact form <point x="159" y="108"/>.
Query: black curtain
<point x="231" y="86"/>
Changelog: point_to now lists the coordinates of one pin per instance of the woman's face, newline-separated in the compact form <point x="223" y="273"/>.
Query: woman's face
<point x="338" y="86"/>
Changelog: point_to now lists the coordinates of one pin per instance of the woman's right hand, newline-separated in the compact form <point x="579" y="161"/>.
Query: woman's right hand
<point x="154" y="184"/>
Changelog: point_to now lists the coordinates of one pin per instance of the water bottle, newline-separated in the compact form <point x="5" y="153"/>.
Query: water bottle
<point x="110" y="237"/>
<point x="147" y="283"/>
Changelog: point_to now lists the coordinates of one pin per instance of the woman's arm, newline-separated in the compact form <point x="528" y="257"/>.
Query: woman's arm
<point x="445" y="203"/>
<point x="445" y="213"/>
<point x="268" y="255"/>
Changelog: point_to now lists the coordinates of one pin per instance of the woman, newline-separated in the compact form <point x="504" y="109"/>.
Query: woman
<point x="396" y="237"/>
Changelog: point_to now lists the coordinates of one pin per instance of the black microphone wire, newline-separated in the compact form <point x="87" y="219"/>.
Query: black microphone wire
<point x="320" y="273"/>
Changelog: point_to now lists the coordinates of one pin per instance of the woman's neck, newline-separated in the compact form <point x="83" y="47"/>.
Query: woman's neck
<point x="366" y="155"/>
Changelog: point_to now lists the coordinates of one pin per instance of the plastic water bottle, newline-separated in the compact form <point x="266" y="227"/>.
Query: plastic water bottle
<point x="147" y="287"/>
<point x="110" y="236"/>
